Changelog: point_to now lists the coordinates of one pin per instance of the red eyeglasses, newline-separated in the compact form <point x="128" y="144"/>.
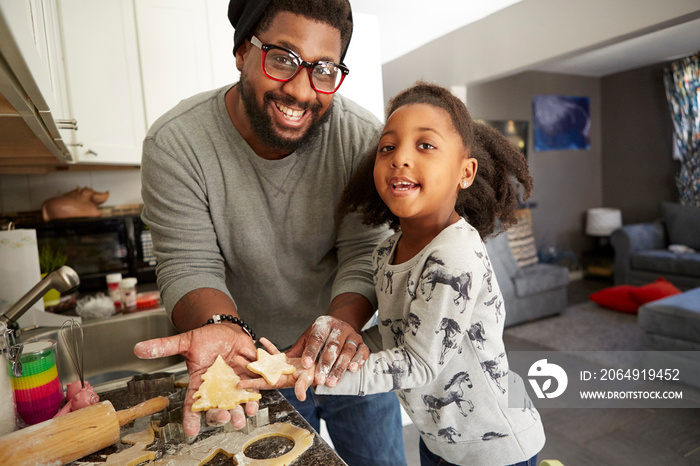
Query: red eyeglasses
<point x="283" y="65"/>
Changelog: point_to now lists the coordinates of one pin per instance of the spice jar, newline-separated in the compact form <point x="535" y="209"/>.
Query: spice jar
<point x="113" y="280"/>
<point x="128" y="291"/>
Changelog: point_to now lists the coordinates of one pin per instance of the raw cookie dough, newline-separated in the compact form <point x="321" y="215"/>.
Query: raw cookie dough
<point x="220" y="390"/>
<point x="131" y="456"/>
<point x="271" y="367"/>
<point x="146" y="436"/>
<point x="233" y="444"/>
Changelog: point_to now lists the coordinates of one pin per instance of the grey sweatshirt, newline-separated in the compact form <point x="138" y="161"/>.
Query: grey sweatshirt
<point x="261" y="231"/>
<point x="441" y="321"/>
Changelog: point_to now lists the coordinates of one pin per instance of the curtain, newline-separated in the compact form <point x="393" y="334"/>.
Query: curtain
<point x="682" y="83"/>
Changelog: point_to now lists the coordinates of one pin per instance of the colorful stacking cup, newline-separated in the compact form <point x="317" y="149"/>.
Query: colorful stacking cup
<point x="38" y="392"/>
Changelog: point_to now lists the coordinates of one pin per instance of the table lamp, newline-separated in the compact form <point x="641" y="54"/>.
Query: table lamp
<point x="600" y="224"/>
<point x="602" y="221"/>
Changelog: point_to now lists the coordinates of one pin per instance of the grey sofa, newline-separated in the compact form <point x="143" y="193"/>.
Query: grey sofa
<point x="531" y="292"/>
<point x="673" y="323"/>
<point x="672" y="334"/>
<point x="642" y="250"/>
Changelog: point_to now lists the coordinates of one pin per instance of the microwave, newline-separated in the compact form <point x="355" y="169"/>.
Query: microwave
<point x="97" y="247"/>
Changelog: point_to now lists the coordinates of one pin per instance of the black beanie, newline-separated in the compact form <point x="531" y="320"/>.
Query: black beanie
<point x="244" y="16"/>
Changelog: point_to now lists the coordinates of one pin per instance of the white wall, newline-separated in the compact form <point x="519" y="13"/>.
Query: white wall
<point x="530" y="33"/>
<point x="364" y="83"/>
<point x="406" y="25"/>
<point x="567" y="182"/>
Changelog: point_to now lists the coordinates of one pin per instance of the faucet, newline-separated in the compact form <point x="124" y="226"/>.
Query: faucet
<point x="62" y="279"/>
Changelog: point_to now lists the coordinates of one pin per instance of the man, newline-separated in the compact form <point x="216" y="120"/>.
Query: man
<point x="240" y="187"/>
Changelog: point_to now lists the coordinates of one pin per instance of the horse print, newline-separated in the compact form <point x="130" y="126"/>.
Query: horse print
<point x="449" y="341"/>
<point x="383" y="251"/>
<point x="492" y="435"/>
<point x="389" y="279"/>
<point x="477" y="334"/>
<point x="498" y="303"/>
<point x="494" y="368"/>
<point x="399" y="327"/>
<point x="448" y="433"/>
<point x="488" y="275"/>
<point x="413" y="323"/>
<point x="410" y="287"/>
<point x="397" y="368"/>
<point x="454" y="394"/>
<point x="378" y="255"/>
<point x="433" y="274"/>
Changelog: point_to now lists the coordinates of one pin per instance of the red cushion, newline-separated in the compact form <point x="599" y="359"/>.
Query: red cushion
<point x="661" y="288"/>
<point x="617" y="298"/>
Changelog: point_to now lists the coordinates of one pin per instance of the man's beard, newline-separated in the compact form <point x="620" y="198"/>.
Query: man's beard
<point x="263" y="126"/>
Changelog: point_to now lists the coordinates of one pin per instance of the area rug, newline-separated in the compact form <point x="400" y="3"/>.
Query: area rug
<point x="583" y="327"/>
<point x="592" y="334"/>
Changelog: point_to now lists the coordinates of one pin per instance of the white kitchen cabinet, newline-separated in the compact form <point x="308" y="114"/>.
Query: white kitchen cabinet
<point x="103" y="80"/>
<point x="27" y="72"/>
<point x="58" y="118"/>
<point x="110" y="66"/>
<point x="24" y="21"/>
<point x="129" y="61"/>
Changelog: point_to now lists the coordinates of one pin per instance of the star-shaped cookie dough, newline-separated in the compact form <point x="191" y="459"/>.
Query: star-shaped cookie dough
<point x="271" y="366"/>
<point x="220" y="390"/>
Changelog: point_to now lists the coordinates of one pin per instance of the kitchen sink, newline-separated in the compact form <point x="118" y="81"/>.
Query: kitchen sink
<point x="108" y="349"/>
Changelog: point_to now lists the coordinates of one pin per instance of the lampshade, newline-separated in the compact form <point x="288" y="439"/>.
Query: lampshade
<point x="603" y="221"/>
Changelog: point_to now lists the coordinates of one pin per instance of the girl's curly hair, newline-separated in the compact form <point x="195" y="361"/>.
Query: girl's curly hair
<point x="494" y="193"/>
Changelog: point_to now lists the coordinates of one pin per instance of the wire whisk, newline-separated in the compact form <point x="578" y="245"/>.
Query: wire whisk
<point x="72" y="336"/>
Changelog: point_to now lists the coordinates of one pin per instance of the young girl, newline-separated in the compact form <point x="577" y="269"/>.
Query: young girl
<point x="442" y="181"/>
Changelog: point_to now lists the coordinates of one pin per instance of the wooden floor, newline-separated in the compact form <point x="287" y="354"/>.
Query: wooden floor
<point x="615" y="437"/>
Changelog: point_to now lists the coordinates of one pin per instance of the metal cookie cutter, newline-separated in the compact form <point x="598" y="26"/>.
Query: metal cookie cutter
<point x="173" y="432"/>
<point x="259" y="419"/>
<point x="149" y="385"/>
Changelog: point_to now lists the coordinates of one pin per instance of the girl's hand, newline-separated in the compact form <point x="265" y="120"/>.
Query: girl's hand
<point x="301" y="379"/>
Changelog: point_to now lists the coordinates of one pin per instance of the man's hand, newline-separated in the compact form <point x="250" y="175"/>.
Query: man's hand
<point x="301" y="379"/>
<point x="336" y="338"/>
<point x="200" y="347"/>
<point x="339" y="345"/>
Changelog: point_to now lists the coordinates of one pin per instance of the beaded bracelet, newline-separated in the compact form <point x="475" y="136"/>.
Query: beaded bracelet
<point x="219" y="318"/>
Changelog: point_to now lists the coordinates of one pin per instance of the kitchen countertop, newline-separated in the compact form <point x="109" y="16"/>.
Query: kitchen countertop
<point x="124" y="393"/>
<point x="318" y="454"/>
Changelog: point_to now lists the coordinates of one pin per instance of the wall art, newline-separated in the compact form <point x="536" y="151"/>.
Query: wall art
<point x="561" y="122"/>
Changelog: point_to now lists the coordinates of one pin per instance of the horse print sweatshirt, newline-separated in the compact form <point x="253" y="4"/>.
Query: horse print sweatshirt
<point x="441" y="318"/>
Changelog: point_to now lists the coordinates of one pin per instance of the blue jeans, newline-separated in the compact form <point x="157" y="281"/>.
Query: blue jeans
<point x="428" y="458"/>
<point x="366" y="430"/>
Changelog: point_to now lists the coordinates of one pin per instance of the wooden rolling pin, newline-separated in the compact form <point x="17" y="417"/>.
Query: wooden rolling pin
<point x="73" y="435"/>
